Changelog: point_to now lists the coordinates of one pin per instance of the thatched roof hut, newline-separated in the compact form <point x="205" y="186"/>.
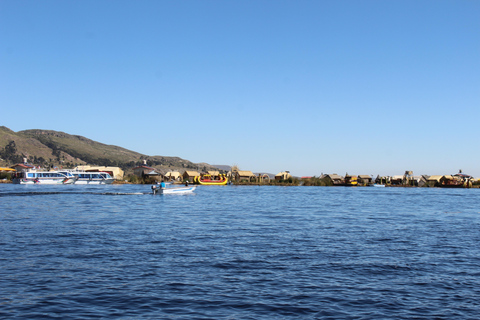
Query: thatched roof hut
<point x="283" y="175"/>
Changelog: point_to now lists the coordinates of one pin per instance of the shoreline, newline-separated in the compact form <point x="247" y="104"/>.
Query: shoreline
<point x="288" y="185"/>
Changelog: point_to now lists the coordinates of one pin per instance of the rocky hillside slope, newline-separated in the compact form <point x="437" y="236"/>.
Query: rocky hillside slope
<point x="54" y="148"/>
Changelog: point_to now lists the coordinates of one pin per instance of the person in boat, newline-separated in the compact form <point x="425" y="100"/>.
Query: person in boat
<point x="162" y="185"/>
<point x="186" y="183"/>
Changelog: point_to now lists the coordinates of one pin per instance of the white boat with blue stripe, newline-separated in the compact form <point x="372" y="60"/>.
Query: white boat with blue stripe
<point x="43" y="177"/>
<point x="174" y="190"/>
<point x="82" y="177"/>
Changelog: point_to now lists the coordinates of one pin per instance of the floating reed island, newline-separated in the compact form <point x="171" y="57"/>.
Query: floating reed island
<point x="458" y="180"/>
<point x="239" y="177"/>
<point x="145" y="174"/>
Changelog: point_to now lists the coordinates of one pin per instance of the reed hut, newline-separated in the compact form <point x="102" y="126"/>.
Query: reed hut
<point x="173" y="176"/>
<point x="285" y="175"/>
<point x="334" y="180"/>
<point x="190" y="176"/>
<point x="397" y="180"/>
<point x="417" y="181"/>
<point x="364" y="180"/>
<point x="244" y="176"/>
<point x="433" y="181"/>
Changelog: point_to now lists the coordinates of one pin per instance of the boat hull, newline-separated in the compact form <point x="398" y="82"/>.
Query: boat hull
<point x="213" y="183"/>
<point x="209" y="182"/>
<point x="94" y="181"/>
<point x="176" y="190"/>
<point x="43" y="181"/>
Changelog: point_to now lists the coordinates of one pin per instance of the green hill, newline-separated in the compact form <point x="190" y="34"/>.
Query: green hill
<point x="48" y="148"/>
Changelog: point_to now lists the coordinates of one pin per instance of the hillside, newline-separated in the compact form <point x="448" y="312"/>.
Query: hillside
<point x="48" y="147"/>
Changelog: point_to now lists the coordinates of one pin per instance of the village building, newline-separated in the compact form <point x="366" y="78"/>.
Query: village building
<point x="247" y="176"/>
<point x="396" y="180"/>
<point x="417" y="181"/>
<point x="448" y="180"/>
<point x="148" y="172"/>
<point x="462" y="176"/>
<point x="173" y="176"/>
<point x="456" y="181"/>
<point x="364" y="180"/>
<point x="433" y="181"/>
<point x="285" y="175"/>
<point x="22" y="166"/>
<point x="190" y="176"/>
<point x="382" y="180"/>
<point x="334" y="179"/>
<point x="466" y="179"/>
<point x="143" y="170"/>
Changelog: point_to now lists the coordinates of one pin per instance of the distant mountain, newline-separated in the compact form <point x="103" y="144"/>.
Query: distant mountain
<point x="48" y="147"/>
<point x="222" y="167"/>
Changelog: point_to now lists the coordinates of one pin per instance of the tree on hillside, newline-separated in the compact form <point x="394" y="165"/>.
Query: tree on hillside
<point x="9" y="153"/>
<point x="10" y="149"/>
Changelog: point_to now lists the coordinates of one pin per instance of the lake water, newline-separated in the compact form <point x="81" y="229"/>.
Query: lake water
<point x="119" y="252"/>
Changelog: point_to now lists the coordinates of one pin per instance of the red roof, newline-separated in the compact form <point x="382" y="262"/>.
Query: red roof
<point x="23" y="165"/>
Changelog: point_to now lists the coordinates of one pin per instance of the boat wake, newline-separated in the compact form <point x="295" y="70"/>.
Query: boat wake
<point x="41" y="193"/>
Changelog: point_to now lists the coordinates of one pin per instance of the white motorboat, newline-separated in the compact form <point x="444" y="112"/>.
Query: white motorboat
<point x="174" y="190"/>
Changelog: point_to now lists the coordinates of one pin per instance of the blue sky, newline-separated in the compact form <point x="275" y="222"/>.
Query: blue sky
<point x="364" y="87"/>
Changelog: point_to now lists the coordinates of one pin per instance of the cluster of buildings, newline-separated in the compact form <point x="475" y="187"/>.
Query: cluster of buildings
<point x="145" y="171"/>
<point x="407" y="179"/>
<point x="189" y="175"/>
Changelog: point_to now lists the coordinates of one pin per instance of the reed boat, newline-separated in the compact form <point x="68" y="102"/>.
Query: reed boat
<point x="209" y="181"/>
<point x="350" y="181"/>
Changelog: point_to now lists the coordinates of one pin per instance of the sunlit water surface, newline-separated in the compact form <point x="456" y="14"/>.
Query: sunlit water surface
<point x="83" y="252"/>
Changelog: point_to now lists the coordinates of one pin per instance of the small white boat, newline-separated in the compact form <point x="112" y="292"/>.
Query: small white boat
<point x="175" y="190"/>
<point x="379" y="185"/>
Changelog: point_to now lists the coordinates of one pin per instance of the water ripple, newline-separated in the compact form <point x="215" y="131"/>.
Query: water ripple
<point x="239" y="253"/>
